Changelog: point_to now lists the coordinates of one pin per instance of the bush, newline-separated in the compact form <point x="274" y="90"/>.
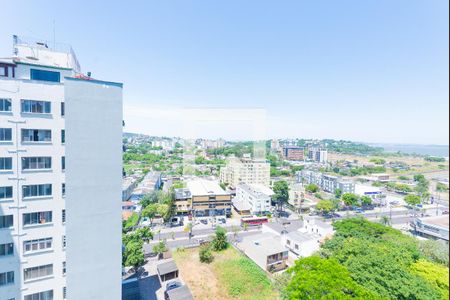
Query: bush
<point x="205" y="254"/>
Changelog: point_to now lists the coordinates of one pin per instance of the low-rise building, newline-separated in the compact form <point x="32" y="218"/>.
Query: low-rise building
<point x="255" y="198"/>
<point x="208" y="198"/>
<point x="365" y="190"/>
<point x="266" y="250"/>
<point x="326" y="182"/>
<point x="151" y="182"/>
<point x="432" y="227"/>
<point x="183" y="201"/>
<point x="128" y="185"/>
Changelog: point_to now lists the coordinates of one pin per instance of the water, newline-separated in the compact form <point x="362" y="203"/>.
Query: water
<point x="432" y="150"/>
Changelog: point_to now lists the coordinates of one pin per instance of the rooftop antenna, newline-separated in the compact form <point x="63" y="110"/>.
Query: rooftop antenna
<point x="54" y="36"/>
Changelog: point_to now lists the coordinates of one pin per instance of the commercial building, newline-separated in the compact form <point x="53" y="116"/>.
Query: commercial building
<point x="43" y="93"/>
<point x="293" y="153"/>
<point x="183" y="201"/>
<point x="245" y="170"/>
<point x="254" y="198"/>
<point x="208" y="198"/>
<point x="432" y="227"/>
<point x="319" y="155"/>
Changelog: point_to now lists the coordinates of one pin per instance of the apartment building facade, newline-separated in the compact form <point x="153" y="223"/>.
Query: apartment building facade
<point x="328" y="183"/>
<point x="293" y="153"/>
<point x="319" y="155"/>
<point x="245" y="170"/>
<point x="208" y="198"/>
<point x="254" y="198"/>
<point x="33" y="94"/>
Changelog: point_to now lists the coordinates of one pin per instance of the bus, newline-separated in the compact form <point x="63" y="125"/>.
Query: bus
<point x="254" y="221"/>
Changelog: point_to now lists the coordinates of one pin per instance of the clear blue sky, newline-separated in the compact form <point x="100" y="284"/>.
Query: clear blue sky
<point x="373" y="71"/>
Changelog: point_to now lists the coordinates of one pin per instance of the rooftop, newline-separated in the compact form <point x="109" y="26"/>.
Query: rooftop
<point x="284" y="226"/>
<point x="261" y="245"/>
<point x="202" y="187"/>
<point x="441" y="221"/>
<point x="256" y="189"/>
<point x="182" y="194"/>
<point x="44" y="53"/>
<point x="181" y="293"/>
<point x="167" y="267"/>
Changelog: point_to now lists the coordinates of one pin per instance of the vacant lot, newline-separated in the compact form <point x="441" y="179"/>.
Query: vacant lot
<point x="229" y="276"/>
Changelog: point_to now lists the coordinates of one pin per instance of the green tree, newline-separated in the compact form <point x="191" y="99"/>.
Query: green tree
<point x="160" y="248"/>
<point x="325" y="206"/>
<point x="317" y="278"/>
<point x="205" y="254"/>
<point x="436" y="275"/>
<point x="219" y="241"/>
<point x="312" y="188"/>
<point x="350" y="199"/>
<point x="337" y="193"/>
<point x="281" y="193"/>
<point x="440" y="187"/>
<point x="412" y="200"/>
<point x="435" y="251"/>
<point x="366" y="200"/>
<point x="385" y="220"/>
<point x="134" y="255"/>
<point x="144" y="234"/>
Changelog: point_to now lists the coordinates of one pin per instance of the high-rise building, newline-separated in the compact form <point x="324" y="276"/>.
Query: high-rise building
<point x="319" y="155"/>
<point x="245" y="170"/>
<point x="43" y="93"/>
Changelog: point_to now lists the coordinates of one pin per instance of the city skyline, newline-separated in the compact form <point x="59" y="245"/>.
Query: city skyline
<point x="370" y="72"/>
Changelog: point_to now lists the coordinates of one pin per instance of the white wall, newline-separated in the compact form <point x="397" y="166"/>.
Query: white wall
<point x="94" y="189"/>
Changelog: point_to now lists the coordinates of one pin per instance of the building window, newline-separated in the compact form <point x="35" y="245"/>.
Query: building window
<point x="63" y="163"/>
<point x="6" y="192"/>
<point x="64" y="268"/>
<point x="5" y="163"/>
<point x="37" y="245"/>
<point x="3" y="70"/>
<point x="63" y="109"/>
<point x="6" y="221"/>
<point x="5" y="134"/>
<point x="37" y="272"/>
<point x="63" y="189"/>
<point x="63" y="136"/>
<point x="64" y="292"/>
<point x="36" y="190"/>
<point x="64" y="216"/>
<point x="36" y="106"/>
<point x="5" y="104"/>
<point x="64" y="242"/>
<point x="36" y="135"/>
<point x="6" y="278"/>
<point x="36" y="74"/>
<point x="6" y="249"/>
<point x="47" y="295"/>
<point x="36" y="163"/>
<point x="37" y="218"/>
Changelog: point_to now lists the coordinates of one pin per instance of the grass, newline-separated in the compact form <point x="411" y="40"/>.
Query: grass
<point x="229" y="276"/>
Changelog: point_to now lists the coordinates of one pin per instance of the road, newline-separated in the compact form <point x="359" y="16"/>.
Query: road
<point x="184" y="241"/>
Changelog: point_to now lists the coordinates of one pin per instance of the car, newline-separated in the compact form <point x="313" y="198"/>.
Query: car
<point x="203" y="221"/>
<point x="359" y="210"/>
<point x="445" y="212"/>
<point x="395" y="202"/>
<point x="222" y="220"/>
<point x="202" y="242"/>
<point x="171" y="286"/>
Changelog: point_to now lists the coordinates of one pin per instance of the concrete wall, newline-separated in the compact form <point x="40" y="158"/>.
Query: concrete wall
<point x="94" y="189"/>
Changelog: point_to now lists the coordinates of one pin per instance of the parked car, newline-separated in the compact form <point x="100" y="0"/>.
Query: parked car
<point x="171" y="286"/>
<point x="202" y="242"/>
<point x="222" y="220"/>
<point x="359" y="210"/>
<point x="445" y="212"/>
<point x="204" y="221"/>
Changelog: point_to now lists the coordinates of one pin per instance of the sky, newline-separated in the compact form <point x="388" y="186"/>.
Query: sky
<point x="371" y="71"/>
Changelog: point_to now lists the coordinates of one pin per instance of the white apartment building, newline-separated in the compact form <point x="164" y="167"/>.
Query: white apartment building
<point x="246" y="170"/>
<point x="254" y="198"/>
<point x="36" y="83"/>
